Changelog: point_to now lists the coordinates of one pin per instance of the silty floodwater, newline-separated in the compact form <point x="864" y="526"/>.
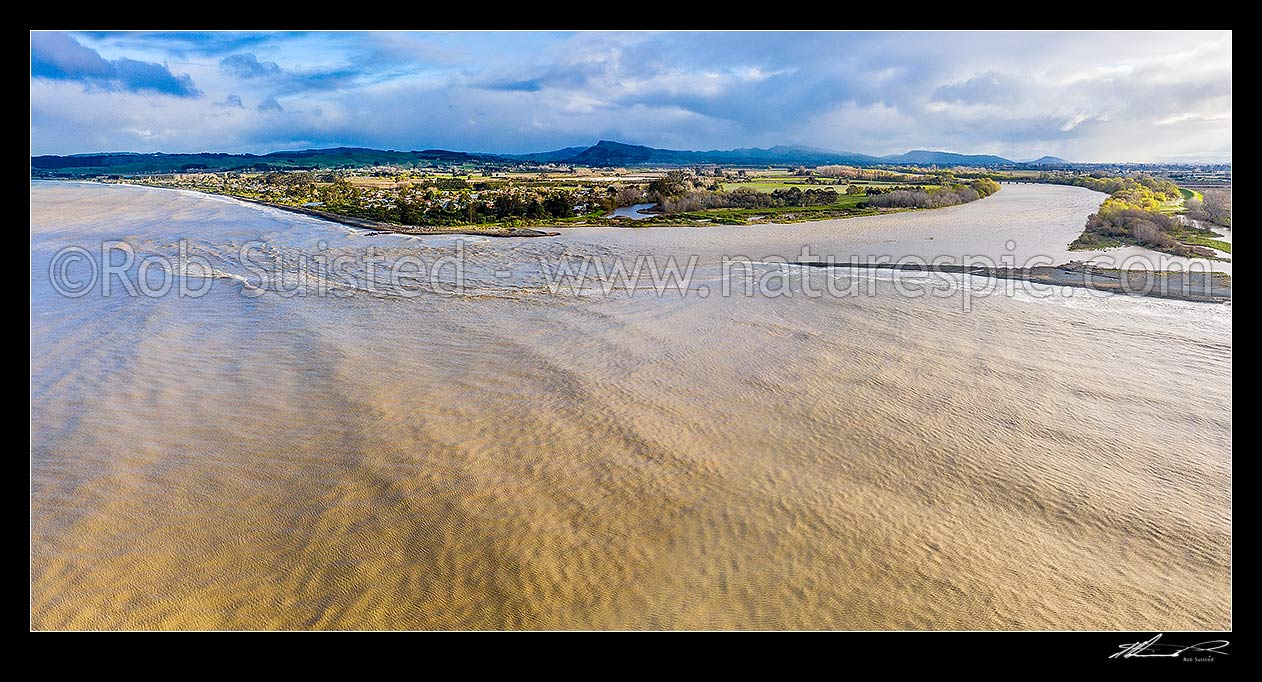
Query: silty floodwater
<point x="511" y="455"/>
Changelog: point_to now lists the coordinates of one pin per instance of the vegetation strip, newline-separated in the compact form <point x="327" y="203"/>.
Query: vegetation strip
<point x="1151" y="212"/>
<point x="500" y="203"/>
<point x="377" y="226"/>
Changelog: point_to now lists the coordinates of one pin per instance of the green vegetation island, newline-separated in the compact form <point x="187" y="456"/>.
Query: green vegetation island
<point x="1152" y="212"/>
<point x="499" y="201"/>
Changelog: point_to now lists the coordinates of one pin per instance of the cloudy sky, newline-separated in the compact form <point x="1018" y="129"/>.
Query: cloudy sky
<point x="1106" y="96"/>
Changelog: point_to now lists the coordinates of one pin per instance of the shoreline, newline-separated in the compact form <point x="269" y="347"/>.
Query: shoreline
<point x="649" y="219"/>
<point x="1198" y="287"/>
<point x="349" y="221"/>
<point x="415" y="230"/>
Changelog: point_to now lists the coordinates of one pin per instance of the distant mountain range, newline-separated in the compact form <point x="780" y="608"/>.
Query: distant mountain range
<point x="606" y="153"/>
<point x="340" y="157"/>
<point x="602" y="154"/>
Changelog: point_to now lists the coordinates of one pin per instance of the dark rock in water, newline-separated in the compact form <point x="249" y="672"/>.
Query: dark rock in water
<point x="1207" y="287"/>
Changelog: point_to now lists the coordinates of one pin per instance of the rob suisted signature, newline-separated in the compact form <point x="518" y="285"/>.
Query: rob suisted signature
<point x="1153" y="648"/>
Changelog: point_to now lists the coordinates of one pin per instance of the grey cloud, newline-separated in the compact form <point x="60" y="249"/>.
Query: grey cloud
<point x="991" y="87"/>
<point x="246" y="65"/>
<point x="57" y="56"/>
<point x="270" y="104"/>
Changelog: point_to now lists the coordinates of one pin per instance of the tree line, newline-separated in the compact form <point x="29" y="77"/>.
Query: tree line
<point x="1133" y="214"/>
<point x="745" y="197"/>
<point x="935" y="197"/>
<point x="1215" y="207"/>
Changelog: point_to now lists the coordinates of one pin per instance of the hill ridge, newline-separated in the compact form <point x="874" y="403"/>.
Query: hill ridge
<point x="605" y="153"/>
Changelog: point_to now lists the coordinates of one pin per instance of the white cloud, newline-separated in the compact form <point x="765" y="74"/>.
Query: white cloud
<point x="1089" y="96"/>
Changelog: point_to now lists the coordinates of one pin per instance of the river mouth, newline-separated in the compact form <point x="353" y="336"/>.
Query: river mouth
<point x="516" y="457"/>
